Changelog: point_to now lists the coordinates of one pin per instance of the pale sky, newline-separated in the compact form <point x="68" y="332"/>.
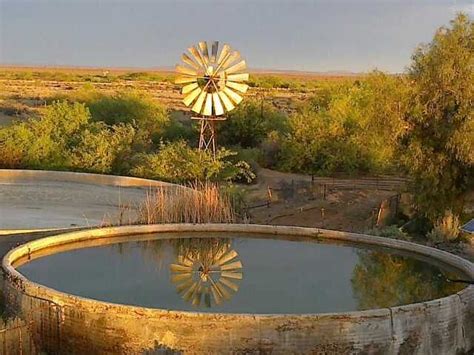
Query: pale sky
<point x="318" y="35"/>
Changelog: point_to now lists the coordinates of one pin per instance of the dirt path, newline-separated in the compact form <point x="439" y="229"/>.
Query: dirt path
<point x="345" y="204"/>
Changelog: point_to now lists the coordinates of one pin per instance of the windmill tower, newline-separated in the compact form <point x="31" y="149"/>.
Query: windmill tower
<point x="213" y="84"/>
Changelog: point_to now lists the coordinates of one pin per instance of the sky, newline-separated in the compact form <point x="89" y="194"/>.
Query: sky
<point x="318" y="35"/>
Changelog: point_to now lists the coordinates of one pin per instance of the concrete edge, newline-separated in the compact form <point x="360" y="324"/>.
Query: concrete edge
<point x="20" y="175"/>
<point x="34" y="289"/>
<point x="15" y="175"/>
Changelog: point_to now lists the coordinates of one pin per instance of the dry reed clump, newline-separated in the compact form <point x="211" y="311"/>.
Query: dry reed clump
<point x="446" y="228"/>
<point x="200" y="203"/>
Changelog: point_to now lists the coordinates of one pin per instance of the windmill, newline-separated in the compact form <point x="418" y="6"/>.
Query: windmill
<point x="209" y="274"/>
<point x="213" y="84"/>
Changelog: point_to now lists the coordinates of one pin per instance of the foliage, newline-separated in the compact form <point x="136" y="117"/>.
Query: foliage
<point x="102" y="149"/>
<point x="389" y="232"/>
<point x="177" y="162"/>
<point x="149" y="118"/>
<point x="446" y="228"/>
<point x="64" y="138"/>
<point x="440" y="143"/>
<point x="45" y="142"/>
<point x="250" y="123"/>
<point x="348" y="128"/>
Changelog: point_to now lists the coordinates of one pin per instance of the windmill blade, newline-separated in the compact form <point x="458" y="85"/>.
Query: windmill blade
<point x="229" y="106"/>
<point x="180" y="277"/>
<point x="184" y="286"/>
<point x="232" y="266"/>
<point x="229" y="60"/>
<point x="215" y="46"/>
<point x="184" y="260"/>
<point x="238" y="77"/>
<point x="237" y="86"/>
<point x="187" y="89"/>
<point x="185" y="79"/>
<point x="188" y="100"/>
<point x="215" y="293"/>
<point x="197" y="296"/>
<point x="189" y="293"/>
<point x="208" y="106"/>
<point x="234" y="96"/>
<point x="224" y="52"/>
<point x="186" y="71"/>
<point x="233" y="286"/>
<point x="219" y="110"/>
<point x="237" y="67"/>
<point x="185" y="58"/>
<point x="232" y="275"/>
<point x="197" y="56"/>
<point x="180" y="268"/>
<point x="199" y="102"/>
<point x="227" y="257"/>
<point x="204" y="51"/>
<point x="223" y="291"/>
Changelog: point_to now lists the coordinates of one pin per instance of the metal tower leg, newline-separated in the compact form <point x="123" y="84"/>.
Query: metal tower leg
<point x="207" y="137"/>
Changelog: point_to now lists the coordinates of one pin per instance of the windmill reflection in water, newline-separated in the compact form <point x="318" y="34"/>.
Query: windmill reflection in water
<point x="207" y="271"/>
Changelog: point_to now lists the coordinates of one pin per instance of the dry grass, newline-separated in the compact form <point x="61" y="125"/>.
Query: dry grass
<point x="201" y="203"/>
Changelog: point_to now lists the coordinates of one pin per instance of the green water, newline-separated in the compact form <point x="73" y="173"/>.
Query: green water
<point x="261" y="276"/>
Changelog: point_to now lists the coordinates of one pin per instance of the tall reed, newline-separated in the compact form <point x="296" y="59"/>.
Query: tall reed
<point x="200" y="203"/>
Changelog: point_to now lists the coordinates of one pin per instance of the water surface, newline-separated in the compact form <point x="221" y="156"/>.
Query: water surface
<point x="242" y="275"/>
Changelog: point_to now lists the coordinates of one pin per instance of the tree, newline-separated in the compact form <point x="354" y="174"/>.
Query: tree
<point x="250" y="124"/>
<point x="440" y="141"/>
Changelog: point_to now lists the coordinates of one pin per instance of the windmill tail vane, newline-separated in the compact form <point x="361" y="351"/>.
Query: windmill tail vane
<point x="213" y="82"/>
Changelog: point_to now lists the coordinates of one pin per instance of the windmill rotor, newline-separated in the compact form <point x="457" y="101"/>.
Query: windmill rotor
<point x="213" y="79"/>
<point x="207" y="277"/>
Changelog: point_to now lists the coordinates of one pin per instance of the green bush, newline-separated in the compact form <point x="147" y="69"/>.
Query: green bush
<point x="102" y="149"/>
<point x="177" y="162"/>
<point x="65" y="138"/>
<point x="249" y="124"/>
<point x="348" y="127"/>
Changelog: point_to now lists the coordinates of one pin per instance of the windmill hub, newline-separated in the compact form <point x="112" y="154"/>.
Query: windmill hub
<point x="213" y="85"/>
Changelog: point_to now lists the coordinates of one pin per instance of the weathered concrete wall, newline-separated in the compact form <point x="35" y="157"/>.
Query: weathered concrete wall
<point x="77" y="325"/>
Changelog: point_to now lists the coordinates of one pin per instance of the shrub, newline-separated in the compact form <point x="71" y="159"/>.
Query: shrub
<point x="177" y="162"/>
<point x="446" y="228"/>
<point x="138" y="109"/>
<point x="250" y="123"/>
<point x="65" y="138"/>
<point x="389" y="232"/>
<point x="102" y="149"/>
<point x="348" y="127"/>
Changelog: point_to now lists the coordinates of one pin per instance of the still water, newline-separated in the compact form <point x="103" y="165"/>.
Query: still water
<point x="240" y="274"/>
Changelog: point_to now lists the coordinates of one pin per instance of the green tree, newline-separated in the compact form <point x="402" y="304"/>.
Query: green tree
<point x="250" y="123"/>
<point x="102" y="149"/>
<point x="348" y="127"/>
<point x="440" y="142"/>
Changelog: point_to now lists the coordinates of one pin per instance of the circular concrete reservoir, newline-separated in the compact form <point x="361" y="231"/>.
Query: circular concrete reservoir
<point x="241" y="288"/>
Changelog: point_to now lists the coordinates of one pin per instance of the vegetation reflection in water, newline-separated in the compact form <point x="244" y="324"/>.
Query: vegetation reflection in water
<point x="382" y="280"/>
<point x="243" y="275"/>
